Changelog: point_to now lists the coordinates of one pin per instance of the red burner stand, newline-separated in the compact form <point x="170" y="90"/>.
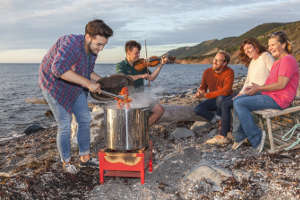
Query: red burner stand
<point x="116" y="163"/>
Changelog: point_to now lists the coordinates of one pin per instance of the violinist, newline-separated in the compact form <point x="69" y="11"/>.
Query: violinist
<point x="132" y="61"/>
<point x="127" y="67"/>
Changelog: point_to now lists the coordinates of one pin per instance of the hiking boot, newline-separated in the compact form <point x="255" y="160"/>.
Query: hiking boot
<point x="218" y="139"/>
<point x="69" y="168"/>
<point x="236" y="145"/>
<point x="92" y="163"/>
<point x="260" y="147"/>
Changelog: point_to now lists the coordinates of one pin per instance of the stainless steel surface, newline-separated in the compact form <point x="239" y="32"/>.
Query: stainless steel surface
<point x="126" y="130"/>
<point x="111" y="94"/>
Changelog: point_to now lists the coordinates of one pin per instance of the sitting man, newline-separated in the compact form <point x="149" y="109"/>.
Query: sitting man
<point x="218" y="80"/>
<point x="132" y="49"/>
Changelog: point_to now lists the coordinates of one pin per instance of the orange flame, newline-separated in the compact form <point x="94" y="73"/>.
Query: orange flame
<point x="126" y="101"/>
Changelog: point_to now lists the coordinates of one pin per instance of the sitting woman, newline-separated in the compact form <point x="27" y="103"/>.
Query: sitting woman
<point x="278" y="91"/>
<point x="259" y="63"/>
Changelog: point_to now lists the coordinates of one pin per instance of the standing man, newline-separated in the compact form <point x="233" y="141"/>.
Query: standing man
<point x="216" y="84"/>
<point x="66" y="75"/>
<point x="132" y="49"/>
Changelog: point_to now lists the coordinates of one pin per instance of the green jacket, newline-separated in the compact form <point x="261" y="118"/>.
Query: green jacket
<point x="125" y="68"/>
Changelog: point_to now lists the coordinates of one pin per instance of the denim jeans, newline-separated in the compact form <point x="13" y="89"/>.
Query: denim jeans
<point x="64" y="118"/>
<point x="207" y="108"/>
<point x="226" y="106"/>
<point x="243" y="106"/>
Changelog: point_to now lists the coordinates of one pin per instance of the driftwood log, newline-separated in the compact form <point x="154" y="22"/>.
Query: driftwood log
<point x="173" y="113"/>
<point x="178" y="113"/>
<point x="43" y="101"/>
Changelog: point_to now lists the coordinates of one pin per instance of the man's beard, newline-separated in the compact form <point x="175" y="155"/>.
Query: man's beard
<point x="218" y="69"/>
<point x="90" y="49"/>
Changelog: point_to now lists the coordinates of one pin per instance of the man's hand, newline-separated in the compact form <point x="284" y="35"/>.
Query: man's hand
<point x="163" y="60"/>
<point x="94" y="87"/>
<point x="199" y="94"/>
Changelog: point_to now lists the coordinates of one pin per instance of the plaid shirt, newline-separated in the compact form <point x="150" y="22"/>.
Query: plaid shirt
<point x="67" y="53"/>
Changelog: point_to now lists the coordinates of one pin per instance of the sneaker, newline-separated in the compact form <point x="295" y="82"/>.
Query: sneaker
<point x="261" y="145"/>
<point x="236" y="145"/>
<point x="69" y="168"/>
<point x="92" y="162"/>
<point x="218" y="139"/>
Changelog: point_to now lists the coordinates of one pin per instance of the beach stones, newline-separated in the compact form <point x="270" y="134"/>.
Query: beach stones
<point x="216" y="175"/>
<point x="180" y="133"/>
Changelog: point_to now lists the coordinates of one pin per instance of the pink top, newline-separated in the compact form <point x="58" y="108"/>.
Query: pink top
<point x="288" y="67"/>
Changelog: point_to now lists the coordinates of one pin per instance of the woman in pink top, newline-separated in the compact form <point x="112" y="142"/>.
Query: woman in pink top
<point x="278" y="91"/>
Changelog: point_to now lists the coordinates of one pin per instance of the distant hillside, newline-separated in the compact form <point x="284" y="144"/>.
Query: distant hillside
<point x="204" y="52"/>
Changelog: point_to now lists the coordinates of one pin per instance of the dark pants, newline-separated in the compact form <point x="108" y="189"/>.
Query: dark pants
<point x="226" y="106"/>
<point x="207" y="108"/>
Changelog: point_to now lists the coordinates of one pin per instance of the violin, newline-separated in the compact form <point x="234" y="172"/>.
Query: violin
<point x="142" y="63"/>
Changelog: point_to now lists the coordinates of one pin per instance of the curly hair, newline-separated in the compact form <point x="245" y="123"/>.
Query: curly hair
<point x="254" y="42"/>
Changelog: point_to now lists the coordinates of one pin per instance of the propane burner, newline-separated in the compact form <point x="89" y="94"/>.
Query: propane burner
<point x="125" y="164"/>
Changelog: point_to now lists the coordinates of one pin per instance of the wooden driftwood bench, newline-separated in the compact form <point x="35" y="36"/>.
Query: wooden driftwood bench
<point x="277" y="123"/>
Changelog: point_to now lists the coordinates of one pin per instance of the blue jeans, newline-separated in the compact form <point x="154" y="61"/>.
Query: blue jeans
<point x="207" y="108"/>
<point x="64" y="118"/>
<point x="226" y="107"/>
<point x="243" y="106"/>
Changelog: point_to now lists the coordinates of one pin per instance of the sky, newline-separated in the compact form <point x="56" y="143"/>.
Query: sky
<point x="30" y="27"/>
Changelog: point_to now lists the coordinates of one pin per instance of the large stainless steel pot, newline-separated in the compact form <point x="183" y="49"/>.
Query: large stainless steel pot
<point x="126" y="129"/>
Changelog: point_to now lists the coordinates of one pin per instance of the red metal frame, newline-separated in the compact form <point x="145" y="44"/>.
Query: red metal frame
<point x="107" y="168"/>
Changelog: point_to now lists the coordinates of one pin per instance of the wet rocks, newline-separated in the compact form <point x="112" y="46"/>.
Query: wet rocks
<point x="33" y="129"/>
<point x="211" y="173"/>
<point x="181" y="133"/>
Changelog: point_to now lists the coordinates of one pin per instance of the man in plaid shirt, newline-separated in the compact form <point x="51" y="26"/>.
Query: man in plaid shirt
<point x="66" y="75"/>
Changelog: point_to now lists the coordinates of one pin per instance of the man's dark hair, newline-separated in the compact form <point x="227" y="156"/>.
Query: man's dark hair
<point x="131" y="44"/>
<point x="98" y="27"/>
<point x="226" y="56"/>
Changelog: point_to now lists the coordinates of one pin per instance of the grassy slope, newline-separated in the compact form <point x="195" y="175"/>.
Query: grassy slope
<point x="208" y="48"/>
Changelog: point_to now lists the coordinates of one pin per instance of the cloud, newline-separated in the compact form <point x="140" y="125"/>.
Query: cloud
<point x="37" y="24"/>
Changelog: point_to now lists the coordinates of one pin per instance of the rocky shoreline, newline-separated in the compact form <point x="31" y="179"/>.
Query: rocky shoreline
<point x="183" y="168"/>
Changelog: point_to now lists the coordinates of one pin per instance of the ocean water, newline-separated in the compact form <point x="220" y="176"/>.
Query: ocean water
<point x="20" y="81"/>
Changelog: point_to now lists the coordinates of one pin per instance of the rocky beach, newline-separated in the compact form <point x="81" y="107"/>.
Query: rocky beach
<point x="184" y="167"/>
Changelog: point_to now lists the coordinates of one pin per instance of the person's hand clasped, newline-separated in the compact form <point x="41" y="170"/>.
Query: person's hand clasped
<point x="252" y="89"/>
<point x="199" y="94"/>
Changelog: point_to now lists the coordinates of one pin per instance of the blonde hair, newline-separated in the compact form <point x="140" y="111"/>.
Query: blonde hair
<point x="283" y="39"/>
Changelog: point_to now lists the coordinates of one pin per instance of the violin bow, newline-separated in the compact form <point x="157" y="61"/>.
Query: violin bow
<point x="147" y="63"/>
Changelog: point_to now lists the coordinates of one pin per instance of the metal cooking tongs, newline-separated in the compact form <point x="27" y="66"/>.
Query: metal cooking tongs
<point x="112" y="94"/>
